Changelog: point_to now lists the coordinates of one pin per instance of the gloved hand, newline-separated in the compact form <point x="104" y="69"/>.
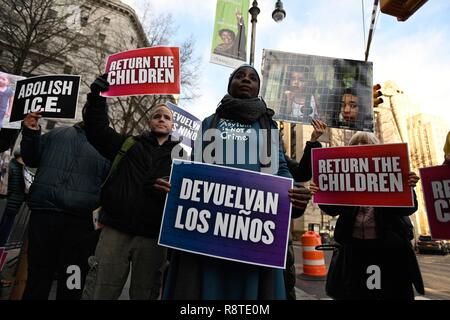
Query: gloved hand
<point x="100" y="85"/>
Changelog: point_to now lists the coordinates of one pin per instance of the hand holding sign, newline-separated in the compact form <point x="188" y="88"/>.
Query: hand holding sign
<point x="31" y="121"/>
<point x="299" y="196"/>
<point x="413" y="178"/>
<point x="313" y="188"/>
<point x="162" y="185"/>
<point x="100" y="84"/>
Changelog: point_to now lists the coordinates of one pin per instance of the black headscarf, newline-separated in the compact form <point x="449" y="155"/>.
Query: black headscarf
<point x="243" y="66"/>
<point x="244" y="111"/>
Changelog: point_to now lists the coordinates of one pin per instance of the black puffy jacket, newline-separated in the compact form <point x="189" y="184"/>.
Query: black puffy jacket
<point x="394" y="230"/>
<point x="130" y="203"/>
<point x="388" y="220"/>
<point x="70" y="171"/>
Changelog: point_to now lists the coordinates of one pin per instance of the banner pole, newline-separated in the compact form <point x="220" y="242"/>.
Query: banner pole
<point x="254" y="11"/>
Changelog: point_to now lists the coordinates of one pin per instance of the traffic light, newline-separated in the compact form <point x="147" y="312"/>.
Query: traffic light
<point x="376" y="92"/>
<point x="401" y="9"/>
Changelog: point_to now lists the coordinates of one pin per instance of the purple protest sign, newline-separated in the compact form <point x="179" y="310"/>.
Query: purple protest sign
<point x="186" y="125"/>
<point x="227" y="213"/>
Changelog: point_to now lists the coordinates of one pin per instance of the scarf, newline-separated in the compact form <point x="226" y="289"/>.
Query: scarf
<point x="245" y="111"/>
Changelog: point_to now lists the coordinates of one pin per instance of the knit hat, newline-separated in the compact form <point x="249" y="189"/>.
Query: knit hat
<point x="237" y="70"/>
<point x="447" y="145"/>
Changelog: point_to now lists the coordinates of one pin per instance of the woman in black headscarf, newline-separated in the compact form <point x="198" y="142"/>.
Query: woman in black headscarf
<point x="238" y="120"/>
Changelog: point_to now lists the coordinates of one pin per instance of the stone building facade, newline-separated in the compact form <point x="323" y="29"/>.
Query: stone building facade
<point x="102" y="27"/>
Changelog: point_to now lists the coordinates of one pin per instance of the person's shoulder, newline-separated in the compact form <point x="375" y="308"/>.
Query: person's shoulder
<point x="209" y="118"/>
<point x="206" y="123"/>
<point x="61" y="130"/>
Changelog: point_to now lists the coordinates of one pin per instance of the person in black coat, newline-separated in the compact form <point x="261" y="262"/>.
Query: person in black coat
<point x="132" y="199"/>
<point x="301" y="172"/>
<point x="65" y="190"/>
<point x="16" y="196"/>
<point x="373" y="241"/>
<point x="8" y="138"/>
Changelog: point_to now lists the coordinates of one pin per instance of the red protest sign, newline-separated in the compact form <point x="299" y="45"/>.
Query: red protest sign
<point x="142" y="71"/>
<point x="371" y="175"/>
<point x="436" y="191"/>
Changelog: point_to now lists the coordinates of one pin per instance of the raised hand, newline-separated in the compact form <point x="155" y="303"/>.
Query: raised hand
<point x="100" y="84"/>
<point x="319" y="129"/>
<point x="31" y="121"/>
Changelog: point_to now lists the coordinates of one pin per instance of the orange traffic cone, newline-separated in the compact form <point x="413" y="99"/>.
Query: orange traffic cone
<point x="313" y="260"/>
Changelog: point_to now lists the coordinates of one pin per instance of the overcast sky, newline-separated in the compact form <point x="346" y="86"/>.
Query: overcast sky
<point x="415" y="53"/>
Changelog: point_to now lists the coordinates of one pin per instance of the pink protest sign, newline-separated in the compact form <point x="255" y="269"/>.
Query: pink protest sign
<point x="143" y="71"/>
<point x="436" y="191"/>
<point x="369" y="175"/>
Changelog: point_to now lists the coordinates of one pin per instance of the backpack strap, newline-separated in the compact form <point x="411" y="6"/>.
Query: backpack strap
<point x="126" y="145"/>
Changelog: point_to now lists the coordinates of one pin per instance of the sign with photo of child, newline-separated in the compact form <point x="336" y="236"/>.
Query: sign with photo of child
<point x="7" y="88"/>
<point x="300" y="88"/>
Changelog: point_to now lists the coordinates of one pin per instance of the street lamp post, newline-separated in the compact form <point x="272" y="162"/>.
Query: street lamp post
<point x="278" y="15"/>
<point x="254" y="11"/>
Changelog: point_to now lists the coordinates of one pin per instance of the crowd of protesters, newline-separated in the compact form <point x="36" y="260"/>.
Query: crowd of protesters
<point x="89" y="166"/>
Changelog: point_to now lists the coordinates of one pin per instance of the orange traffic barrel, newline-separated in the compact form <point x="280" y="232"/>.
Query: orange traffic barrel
<point x="313" y="260"/>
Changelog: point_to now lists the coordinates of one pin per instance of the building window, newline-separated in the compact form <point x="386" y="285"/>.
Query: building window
<point x="67" y="69"/>
<point x="84" y="16"/>
<point x="132" y="40"/>
<point x="52" y="14"/>
<point x="106" y="20"/>
<point x="50" y="124"/>
<point x="28" y="74"/>
<point x="101" y="37"/>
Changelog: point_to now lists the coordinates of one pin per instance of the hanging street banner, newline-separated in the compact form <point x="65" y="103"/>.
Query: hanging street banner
<point x="7" y="89"/>
<point x="186" y="125"/>
<point x="436" y="191"/>
<point x="56" y="96"/>
<point x="143" y="71"/>
<point x="229" y="42"/>
<point x="227" y="213"/>
<point x="368" y="175"/>
<point x="301" y="87"/>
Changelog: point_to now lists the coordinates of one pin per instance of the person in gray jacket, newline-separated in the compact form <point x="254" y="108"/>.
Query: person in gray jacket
<point x="64" y="193"/>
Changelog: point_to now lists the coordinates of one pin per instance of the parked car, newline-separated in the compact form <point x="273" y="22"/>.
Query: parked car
<point x="427" y="245"/>
<point x="325" y="237"/>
